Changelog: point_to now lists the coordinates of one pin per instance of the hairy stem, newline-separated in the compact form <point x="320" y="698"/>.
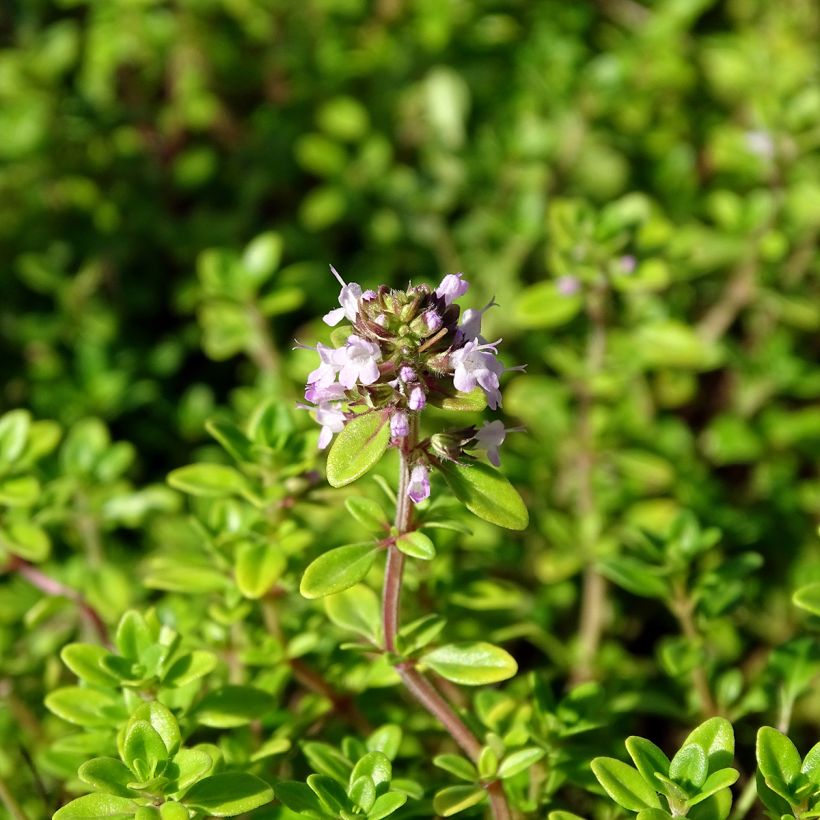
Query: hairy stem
<point x="418" y="685"/>
<point x="593" y="595"/>
<point x="51" y="586"/>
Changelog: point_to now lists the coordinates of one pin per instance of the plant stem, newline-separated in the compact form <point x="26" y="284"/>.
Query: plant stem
<point x="262" y="351"/>
<point x="10" y="802"/>
<point x="418" y="685"/>
<point x="593" y="595"/>
<point x="51" y="586"/>
<point x="682" y="608"/>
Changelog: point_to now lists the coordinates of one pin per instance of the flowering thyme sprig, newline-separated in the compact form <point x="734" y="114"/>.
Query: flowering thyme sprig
<point x="401" y="350"/>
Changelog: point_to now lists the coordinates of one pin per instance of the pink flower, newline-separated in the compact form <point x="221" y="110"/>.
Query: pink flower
<point x="452" y="287"/>
<point x="329" y="415"/>
<point x="358" y="362"/>
<point x="476" y="364"/>
<point x="407" y="374"/>
<point x="317" y="393"/>
<point x="419" y="486"/>
<point x="325" y="373"/>
<point x="348" y="299"/>
<point x="491" y="436"/>
<point x="469" y="327"/>
<point x="568" y="285"/>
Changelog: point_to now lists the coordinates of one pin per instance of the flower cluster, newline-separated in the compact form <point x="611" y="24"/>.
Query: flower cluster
<point x="399" y="350"/>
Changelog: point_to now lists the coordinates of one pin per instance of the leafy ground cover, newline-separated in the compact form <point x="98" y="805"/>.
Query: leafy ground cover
<point x="609" y="612"/>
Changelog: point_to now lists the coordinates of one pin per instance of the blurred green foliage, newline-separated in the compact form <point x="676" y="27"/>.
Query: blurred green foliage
<point x="637" y="183"/>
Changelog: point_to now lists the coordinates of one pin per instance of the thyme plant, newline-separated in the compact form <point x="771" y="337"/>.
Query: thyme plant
<point x="402" y="351"/>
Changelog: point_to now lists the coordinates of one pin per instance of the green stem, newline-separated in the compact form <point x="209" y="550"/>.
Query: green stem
<point x="594" y="588"/>
<point x="417" y="684"/>
<point x="10" y="802"/>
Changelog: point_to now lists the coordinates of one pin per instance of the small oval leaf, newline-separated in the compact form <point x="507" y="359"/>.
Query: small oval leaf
<point x="338" y="569"/>
<point x="472" y="664"/>
<point x="357" y="448"/>
<point x="486" y="493"/>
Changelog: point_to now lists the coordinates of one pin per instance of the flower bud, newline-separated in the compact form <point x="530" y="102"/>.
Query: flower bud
<point x="417" y="399"/>
<point x="399" y="425"/>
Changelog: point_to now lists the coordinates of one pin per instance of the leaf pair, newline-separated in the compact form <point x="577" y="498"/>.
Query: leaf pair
<point x="694" y="783"/>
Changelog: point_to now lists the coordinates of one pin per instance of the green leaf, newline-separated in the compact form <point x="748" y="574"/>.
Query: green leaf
<point x="232" y="439"/>
<point x="270" y="748"/>
<point x="143" y="750"/>
<point x="624" y="784"/>
<point x="189" y="667"/>
<point x="519" y="761"/>
<point x="208" y="480"/>
<point x="94" y="806"/>
<point x="648" y="759"/>
<point x="329" y="792"/>
<point x="714" y="807"/>
<point x="188" y="766"/>
<point x="21" y="491"/>
<point x="386" y="805"/>
<point x="386" y="739"/>
<point x="376" y="766"/>
<point x="173" y="811"/>
<point x="259" y="565"/>
<point x="808" y="598"/>
<point x="327" y="760"/>
<point x="486" y="493"/>
<point x="162" y="720"/>
<point x="689" y="767"/>
<point x="416" y="545"/>
<point x="487" y="763"/>
<point x="172" y="575"/>
<point x="779" y="762"/>
<point x="229" y="794"/>
<point x="261" y="256"/>
<point x="472" y="664"/>
<point x="14" y="427"/>
<point x="654" y="814"/>
<point x="84" y="660"/>
<point x="92" y="708"/>
<point x="563" y="815"/>
<point x="357" y="448"/>
<point x="417" y="634"/>
<point x="106" y="774"/>
<point x="543" y="305"/>
<point x="338" y="569"/>
<point x="27" y="540"/>
<point x="356" y="609"/>
<point x="133" y="635"/>
<point x="368" y="513"/>
<point x="233" y="706"/>
<point x="457" y="766"/>
<point x="811" y="764"/>
<point x="362" y="792"/>
<point x="300" y="798"/>
<point x="721" y="779"/>
<point x="717" y="738"/>
<point x="454" y="799"/>
<point x="635" y="577"/>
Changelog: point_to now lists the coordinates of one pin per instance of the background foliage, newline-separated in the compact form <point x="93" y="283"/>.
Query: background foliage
<point x="638" y="184"/>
